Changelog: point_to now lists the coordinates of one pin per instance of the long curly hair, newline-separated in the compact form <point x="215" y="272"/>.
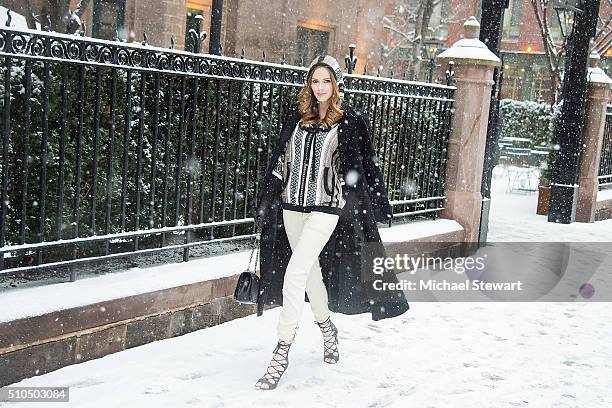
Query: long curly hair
<point x="308" y="105"/>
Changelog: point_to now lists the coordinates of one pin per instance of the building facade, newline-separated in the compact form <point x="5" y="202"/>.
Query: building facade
<point x="526" y="74"/>
<point x="296" y="29"/>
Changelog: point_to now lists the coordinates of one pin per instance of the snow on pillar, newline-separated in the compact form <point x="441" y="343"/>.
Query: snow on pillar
<point x="473" y="66"/>
<point x="592" y="139"/>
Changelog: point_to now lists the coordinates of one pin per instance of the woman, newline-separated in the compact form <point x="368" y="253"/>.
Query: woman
<point x="321" y="197"/>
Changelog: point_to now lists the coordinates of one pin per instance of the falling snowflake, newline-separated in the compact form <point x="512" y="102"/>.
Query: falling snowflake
<point x="351" y="178"/>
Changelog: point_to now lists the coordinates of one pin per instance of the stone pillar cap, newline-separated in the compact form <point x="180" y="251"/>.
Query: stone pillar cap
<point x="470" y="50"/>
<point x="596" y="75"/>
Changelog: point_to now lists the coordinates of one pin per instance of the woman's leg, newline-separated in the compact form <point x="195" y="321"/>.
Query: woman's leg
<point x="315" y="288"/>
<point x="316" y="228"/>
<point x="317" y="293"/>
<point x="293" y="222"/>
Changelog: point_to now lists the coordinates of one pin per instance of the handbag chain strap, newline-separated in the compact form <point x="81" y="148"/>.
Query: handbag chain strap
<point x="256" y="251"/>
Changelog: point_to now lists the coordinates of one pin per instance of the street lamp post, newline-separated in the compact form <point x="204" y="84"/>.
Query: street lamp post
<point x="578" y="20"/>
<point x="430" y="68"/>
<point x="431" y="47"/>
<point x="566" y="10"/>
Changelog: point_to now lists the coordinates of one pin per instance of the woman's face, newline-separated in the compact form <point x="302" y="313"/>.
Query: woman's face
<point x="321" y="84"/>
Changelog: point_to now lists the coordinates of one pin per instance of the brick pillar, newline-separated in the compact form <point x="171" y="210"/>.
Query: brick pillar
<point x="474" y="65"/>
<point x="592" y="136"/>
<point x="165" y="20"/>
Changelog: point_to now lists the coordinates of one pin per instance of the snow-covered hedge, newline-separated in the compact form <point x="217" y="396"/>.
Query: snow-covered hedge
<point x="157" y="156"/>
<point x="528" y="119"/>
<point x="533" y="120"/>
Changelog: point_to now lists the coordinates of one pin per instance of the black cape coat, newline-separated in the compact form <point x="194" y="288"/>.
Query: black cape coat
<point x="347" y="258"/>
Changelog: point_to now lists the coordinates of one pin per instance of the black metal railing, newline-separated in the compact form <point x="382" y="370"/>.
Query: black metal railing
<point x="410" y="123"/>
<point x="605" y="162"/>
<point x="111" y="149"/>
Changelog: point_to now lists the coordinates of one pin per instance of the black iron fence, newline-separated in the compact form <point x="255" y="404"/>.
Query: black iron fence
<point x="411" y="125"/>
<point x="111" y="149"/>
<point x="605" y="163"/>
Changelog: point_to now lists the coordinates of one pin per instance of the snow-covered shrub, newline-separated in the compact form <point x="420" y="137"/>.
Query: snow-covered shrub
<point x="172" y="163"/>
<point x="528" y="119"/>
<point x="535" y="121"/>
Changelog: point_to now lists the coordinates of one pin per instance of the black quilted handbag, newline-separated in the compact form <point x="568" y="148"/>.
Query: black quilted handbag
<point x="247" y="288"/>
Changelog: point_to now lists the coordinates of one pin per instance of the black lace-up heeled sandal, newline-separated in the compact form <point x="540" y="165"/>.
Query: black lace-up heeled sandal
<point x="330" y="341"/>
<point x="278" y="364"/>
<point x="277" y="367"/>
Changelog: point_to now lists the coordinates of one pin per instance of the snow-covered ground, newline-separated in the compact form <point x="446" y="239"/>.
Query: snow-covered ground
<point x="513" y="217"/>
<point x="437" y="354"/>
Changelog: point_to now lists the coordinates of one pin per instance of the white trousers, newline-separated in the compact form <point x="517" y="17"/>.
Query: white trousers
<point x="308" y="233"/>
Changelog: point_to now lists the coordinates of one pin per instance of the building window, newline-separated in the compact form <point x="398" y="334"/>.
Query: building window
<point x="540" y="89"/>
<point x="513" y="83"/>
<point x="512" y="20"/>
<point x="541" y="86"/>
<point x="310" y="43"/>
<point x="108" y="19"/>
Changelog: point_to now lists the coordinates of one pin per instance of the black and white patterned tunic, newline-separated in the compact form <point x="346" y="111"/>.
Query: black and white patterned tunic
<point x="309" y="170"/>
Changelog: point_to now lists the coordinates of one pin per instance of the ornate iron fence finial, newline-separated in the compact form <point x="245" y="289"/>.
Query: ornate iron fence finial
<point x="350" y="60"/>
<point x="450" y="73"/>
<point x="193" y="38"/>
<point x="8" y="17"/>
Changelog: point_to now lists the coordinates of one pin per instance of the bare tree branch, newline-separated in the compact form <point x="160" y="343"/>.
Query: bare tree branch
<point x="81" y="7"/>
<point x="62" y="19"/>
<point x="396" y="30"/>
<point x="28" y="13"/>
<point x="553" y="57"/>
<point x="409" y="25"/>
